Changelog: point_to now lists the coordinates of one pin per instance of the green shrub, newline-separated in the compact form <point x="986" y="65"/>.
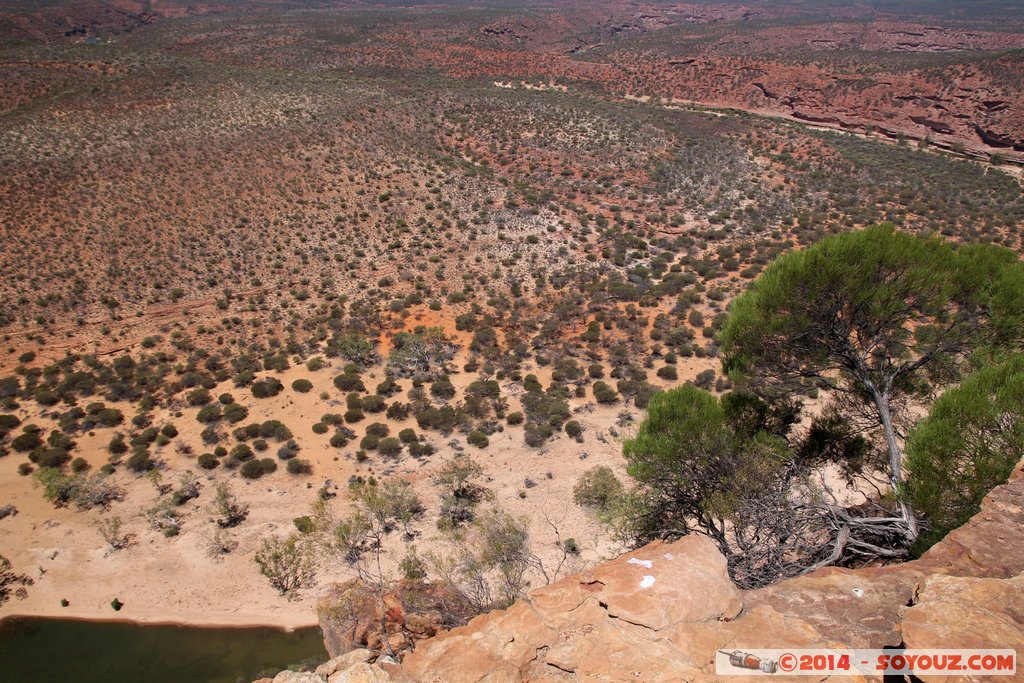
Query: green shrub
<point x="254" y="469"/>
<point x="597" y="488"/>
<point x="603" y="393"/>
<point x="198" y="397"/>
<point x="26" y="441"/>
<point x="536" y="435"/>
<point x="302" y="386"/>
<point x="668" y="372"/>
<point x="50" y="457"/>
<point x="139" y="461"/>
<point x="349" y="381"/>
<point x="117" y="445"/>
<point x="298" y="466"/>
<point x="398" y="411"/>
<point x="235" y="413"/>
<point x="276" y="429"/>
<point x="242" y="453"/>
<point x="389" y="446"/>
<point x="8" y="423"/>
<point x="378" y="429"/>
<point x="209" y="413"/>
<point x="267" y="387"/>
<point x="478" y="439"/>
<point x="208" y="461"/>
<point x="970" y="442"/>
<point x="442" y="389"/>
<point x="373" y="404"/>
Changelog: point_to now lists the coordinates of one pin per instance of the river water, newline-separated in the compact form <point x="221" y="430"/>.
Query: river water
<point x="43" y="650"/>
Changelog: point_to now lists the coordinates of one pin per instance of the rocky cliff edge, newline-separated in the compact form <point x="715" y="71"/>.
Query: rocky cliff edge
<point x="659" y="614"/>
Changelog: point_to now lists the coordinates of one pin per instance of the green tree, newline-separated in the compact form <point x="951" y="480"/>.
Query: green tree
<point x="878" y="317"/>
<point x="693" y="470"/>
<point x="970" y="442"/>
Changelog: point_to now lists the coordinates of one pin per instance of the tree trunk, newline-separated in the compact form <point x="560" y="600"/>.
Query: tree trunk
<point x="895" y="462"/>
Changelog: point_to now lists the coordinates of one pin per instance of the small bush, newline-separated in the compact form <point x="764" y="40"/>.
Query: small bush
<point x="349" y="381"/>
<point x="478" y="439"/>
<point x="302" y="386"/>
<point x="235" y="413"/>
<point x="26" y="442"/>
<point x="252" y="469"/>
<point x="389" y="446"/>
<point x="267" y="387"/>
<point x="209" y="413"/>
<point x="288" y="450"/>
<point x="208" y="461"/>
<point x="378" y="429"/>
<point x="140" y="462"/>
<point x="536" y="435"/>
<point x="603" y="393"/>
<point x="373" y="404"/>
<point x="668" y="372"/>
<point x="442" y="389"/>
<point x="298" y="466"/>
<point x="242" y="453"/>
<point x="597" y="488"/>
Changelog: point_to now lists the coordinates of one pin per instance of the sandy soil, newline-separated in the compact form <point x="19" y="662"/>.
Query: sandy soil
<point x="176" y="580"/>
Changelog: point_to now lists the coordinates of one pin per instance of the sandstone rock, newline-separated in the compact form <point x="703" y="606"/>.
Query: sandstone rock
<point x="966" y="612"/>
<point x="342" y="662"/>
<point x="361" y="673"/>
<point x="603" y="623"/>
<point x="299" y="677"/>
<point x="861" y="608"/>
<point x="662" y="612"/>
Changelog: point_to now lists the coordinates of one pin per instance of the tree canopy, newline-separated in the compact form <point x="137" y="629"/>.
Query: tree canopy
<point x="877" y="317"/>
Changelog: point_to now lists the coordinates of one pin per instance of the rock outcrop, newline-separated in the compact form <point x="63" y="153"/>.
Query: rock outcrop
<point x="352" y="617"/>
<point x="662" y="612"/>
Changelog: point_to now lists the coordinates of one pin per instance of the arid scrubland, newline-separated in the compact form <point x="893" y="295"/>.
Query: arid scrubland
<point x="257" y="269"/>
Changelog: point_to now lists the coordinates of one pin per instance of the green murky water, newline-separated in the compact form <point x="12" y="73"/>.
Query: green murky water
<point x="44" y="650"/>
